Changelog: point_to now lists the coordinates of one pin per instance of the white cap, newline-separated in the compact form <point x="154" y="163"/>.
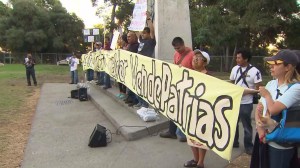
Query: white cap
<point x="204" y="54"/>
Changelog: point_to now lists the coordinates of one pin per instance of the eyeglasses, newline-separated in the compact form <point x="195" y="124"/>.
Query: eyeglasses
<point x="197" y="58"/>
<point x="276" y="62"/>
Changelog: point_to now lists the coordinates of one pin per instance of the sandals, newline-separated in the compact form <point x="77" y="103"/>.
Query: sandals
<point x="191" y="163"/>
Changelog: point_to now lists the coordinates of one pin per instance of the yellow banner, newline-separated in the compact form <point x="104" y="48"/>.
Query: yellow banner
<point x="203" y="107"/>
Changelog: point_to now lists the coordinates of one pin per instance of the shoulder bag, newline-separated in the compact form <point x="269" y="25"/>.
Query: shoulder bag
<point x="288" y="129"/>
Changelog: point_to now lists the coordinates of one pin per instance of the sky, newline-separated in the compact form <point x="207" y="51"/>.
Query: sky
<point x="82" y="8"/>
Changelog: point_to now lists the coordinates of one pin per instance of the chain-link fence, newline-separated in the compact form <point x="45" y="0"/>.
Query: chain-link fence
<point x="40" y="58"/>
<point x="217" y="63"/>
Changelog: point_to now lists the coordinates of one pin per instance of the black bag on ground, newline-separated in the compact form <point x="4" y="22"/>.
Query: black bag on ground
<point x="74" y="94"/>
<point x="82" y="94"/>
<point x="98" y="137"/>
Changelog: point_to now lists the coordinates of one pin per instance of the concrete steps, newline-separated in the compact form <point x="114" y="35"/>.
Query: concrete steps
<point x="124" y="118"/>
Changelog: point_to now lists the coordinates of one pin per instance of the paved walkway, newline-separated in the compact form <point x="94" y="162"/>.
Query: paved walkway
<point x="62" y="126"/>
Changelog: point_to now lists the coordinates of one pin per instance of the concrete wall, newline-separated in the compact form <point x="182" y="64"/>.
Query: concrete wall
<point x="172" y="19"/>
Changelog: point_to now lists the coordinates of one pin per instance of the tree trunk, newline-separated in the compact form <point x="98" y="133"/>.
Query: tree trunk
<point x="112" y="19"/>
<point x="233" y="56"/>
<point x="227" y="58"/>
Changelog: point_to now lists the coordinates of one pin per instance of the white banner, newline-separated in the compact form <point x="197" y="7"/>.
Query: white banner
<point x="139" y="16"/>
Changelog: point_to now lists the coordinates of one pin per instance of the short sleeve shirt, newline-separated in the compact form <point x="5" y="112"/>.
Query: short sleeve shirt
<point x="146" y="47"/>
<point x="290" y="97"/>
<point x="133" y="47"/>
<point x="187" y="60"/>
<point x="74" y="63"/>
<point x="253" y="76"/>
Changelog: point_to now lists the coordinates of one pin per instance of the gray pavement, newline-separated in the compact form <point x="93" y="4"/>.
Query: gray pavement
<point x="62" y="126"/>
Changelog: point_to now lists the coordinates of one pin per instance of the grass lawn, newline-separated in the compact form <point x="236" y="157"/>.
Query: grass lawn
<point x="17" y="106"/>
<point x="18" y="102"/>
<point x="14" y="88"/>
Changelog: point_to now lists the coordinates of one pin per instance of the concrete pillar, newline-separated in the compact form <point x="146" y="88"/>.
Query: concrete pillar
<point x="172" y="19"/>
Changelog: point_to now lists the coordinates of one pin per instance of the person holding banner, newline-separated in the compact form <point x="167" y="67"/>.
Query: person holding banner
<point x="247" y="76"/>
<point x="276" y="96"/>
<point x="183" y="56"/>
<point x="106" y="76"/>
<point x="146" y="48"/>
<point x="200" y="60"/>
<point x="132" y="46"/>
<point x="100" y="75"/>
<point x="122" y="43"/>
<point x="89" y="73"/>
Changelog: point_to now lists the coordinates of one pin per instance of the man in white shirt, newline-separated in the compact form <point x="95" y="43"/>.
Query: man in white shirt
<point x="74" y="61"/>
<point x="245" y="75"/>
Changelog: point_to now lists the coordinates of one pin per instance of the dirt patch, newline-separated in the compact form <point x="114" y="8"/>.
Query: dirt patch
<point x="17" y="132"/>
<point x="243" y="161"/>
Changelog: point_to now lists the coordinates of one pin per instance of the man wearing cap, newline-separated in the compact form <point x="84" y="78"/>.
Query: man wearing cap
<point x="183" y="56"/>
<point x="245" y="75"/>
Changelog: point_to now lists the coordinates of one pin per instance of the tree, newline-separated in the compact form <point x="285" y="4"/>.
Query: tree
<point x="292" y="39"/>
<point x="120" y="10"/>
<point x="39" y="26"/>
<point x="224" y="25"/>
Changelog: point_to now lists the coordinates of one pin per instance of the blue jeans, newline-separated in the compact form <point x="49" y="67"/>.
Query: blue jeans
<point x="100" y="77"/>
<point x="280" y="158"/>
<point x="245" y="118"/>
<point x="132" y="96"/>
<point x="107" y="80"/>
<point x="90" y="74"/>
<point x="180" y="133"/>
<point x="30" y="72"/>
<point x="74" y="76"/>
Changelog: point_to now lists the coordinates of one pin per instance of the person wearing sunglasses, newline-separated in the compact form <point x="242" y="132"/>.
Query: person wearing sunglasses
<point x="276" y="96"/>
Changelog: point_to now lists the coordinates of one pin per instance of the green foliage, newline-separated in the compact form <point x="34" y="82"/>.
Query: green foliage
<point x="292" y="32"/>
<point x="254" y="24"/>
<point x="39" y="26"/>
<point x="121" y="10"/>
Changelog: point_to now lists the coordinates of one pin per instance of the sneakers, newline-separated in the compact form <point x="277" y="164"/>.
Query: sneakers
<point x="139" y="105"/>
<point x="167" y="135"/>
<point x="132" y="104"/>
<point x="122" y="96"/>
<point x="182" y="139"/>
<point x="106" y="87"/>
